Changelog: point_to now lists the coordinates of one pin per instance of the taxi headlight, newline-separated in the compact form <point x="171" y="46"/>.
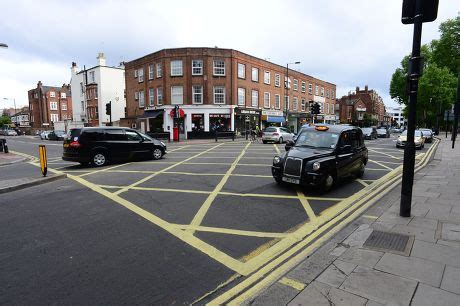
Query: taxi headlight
<point x="163" y="144"/>
<point x="316" y="166"/>
<point x="276" y="160"/>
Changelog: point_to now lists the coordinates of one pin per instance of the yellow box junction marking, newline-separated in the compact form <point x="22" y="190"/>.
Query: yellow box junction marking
<point x="380" y="164"/>
<point x="306" y="206"/>
<point x="386" y="154"/>
<point x="292" y="283"/>
<point x="207" y="203"/>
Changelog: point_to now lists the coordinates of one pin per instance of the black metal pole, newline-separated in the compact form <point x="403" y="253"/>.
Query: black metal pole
<point x="110" y="116"/>
<point x="447" y="122"/>
<point x="409" y="150"/>
<point x="456" y="111"/>
<point x="286" y="92"/>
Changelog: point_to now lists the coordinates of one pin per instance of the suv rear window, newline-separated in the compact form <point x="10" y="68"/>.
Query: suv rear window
<point x="74" y="133"/>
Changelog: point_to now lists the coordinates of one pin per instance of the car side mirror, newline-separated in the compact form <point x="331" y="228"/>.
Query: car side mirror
<point x="345" y="149"/>
<point x="289" y="145"/>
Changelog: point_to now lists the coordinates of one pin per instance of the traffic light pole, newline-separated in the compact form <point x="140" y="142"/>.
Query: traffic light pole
<point x="409" y="150"/>
<point x="110" y="117"/>
<point x="456" y="111"/>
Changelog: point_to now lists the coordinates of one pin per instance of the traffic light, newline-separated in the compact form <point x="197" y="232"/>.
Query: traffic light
<point x="108" y="108"/>
<point x="315" y="109"/>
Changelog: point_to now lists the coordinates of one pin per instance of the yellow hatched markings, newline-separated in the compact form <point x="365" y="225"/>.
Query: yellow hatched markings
<point x="232" y="231"/>
<point x="380" y="164"/>
<point x="374" y="169"/>
<point x="362" y="182"/>
<point x="207" y="203"/>
<point x="310" y="213"/>
<point x="278" y="196"/>
<point x="103" y="170"/>
<point x="292" y="283"/>
<point x="386" y="154"/>
<point x="388" y="162"/>
<point x="164" y="170"/>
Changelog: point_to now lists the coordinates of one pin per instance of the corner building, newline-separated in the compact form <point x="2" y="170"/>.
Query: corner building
<point x="220" y="89"/>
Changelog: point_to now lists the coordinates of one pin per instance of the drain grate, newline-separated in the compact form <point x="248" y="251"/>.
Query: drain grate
<point x="390" y="242"/>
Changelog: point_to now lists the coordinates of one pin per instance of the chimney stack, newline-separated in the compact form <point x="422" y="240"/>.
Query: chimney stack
<point x="101" y="59"/>
<point x="357" y="89"/>
<point x="365" y="88"/>
<point x="74" y="68"/>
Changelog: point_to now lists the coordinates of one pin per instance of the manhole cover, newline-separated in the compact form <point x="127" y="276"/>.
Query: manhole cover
<point x="390" y="242"/>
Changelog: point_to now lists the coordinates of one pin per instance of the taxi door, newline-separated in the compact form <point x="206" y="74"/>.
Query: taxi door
<point x="344" y="155"/>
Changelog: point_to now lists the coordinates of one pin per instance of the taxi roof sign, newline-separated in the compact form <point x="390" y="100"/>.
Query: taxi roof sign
<point x="321" y="128"/>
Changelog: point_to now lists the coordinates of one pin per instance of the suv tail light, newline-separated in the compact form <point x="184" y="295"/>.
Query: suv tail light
<point x="275" y="134"/>
<point x="74" y="143"/>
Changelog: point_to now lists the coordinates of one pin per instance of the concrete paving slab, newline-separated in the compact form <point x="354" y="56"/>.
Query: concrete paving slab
<point x="435" y="252"/>
<point x="359" y="236"/>
<point x="277" y="294"/>
<point x="380" y="287"/>
<point x="319" y="294"/>
<point x="420" y="233"/>
<point x="422" y="270"/>
<point x="362" y="257"/>
<point x="424" y="223"/>
<point x="450" y="231"/>
<point x="393" y="218"/>
<point x="430" y="296"/>
<point x="451" y="279"/>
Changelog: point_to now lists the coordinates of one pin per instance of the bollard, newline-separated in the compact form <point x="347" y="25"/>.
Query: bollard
<point x="1" y="145"/>
<point x="5" y="148"/>
<point x="43" y="160"/>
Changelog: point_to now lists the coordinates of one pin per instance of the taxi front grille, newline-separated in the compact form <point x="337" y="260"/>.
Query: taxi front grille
<point x="293" y="167"/>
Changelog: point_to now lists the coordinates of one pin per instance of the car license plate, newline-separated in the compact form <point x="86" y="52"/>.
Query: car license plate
<point x="290" y="180"/>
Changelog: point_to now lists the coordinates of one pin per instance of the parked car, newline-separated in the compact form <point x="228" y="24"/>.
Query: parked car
<point x="395" y="130"/>
<point x="369" y="132"/>
<point x="428" y="134"/>
<point x="419" y="140"/>
<point x="11" y="133"/>
<point x="276" y="134"/>
<point x="44" y="135"/>
<point x="56" y="135"/>
<point x="321" y="156"/>
<point x="383" y="132"/>
<point x="98" y="146"/>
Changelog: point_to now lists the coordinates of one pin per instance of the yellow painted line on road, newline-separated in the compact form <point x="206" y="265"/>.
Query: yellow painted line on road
<point x="177" y="149"/>
<point x="380" y="164"/>
<point x="374" y="169"/>
<point x="362" y="182"/>
<point x="253" y="175"/>
<point x="254" y="165"/>
<point x="370" y="217"/>
<point x="386" y="154"/>
<point x="156" y="189"/>
<point x="232" y="231"/>
<point x="292" y="283"/>
<point x="388" y="162"/>
<point x="277" y="149"/>
<point x="310" y="213"/>
<point x="33" y="158"/>
<point x="103" y="170"/>
<point x="164" y="170"/>
<point x="168" y="172"/>
<point x="277" y="196"/>
<point x="204" y="247"/>
<point x="207" y="203"/>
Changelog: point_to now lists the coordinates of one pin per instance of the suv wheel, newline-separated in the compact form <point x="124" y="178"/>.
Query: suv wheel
<point x="99" y="159"/>
<point x="157" y="153"/>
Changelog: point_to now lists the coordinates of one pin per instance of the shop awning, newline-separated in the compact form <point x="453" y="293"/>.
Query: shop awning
<point x="275" y="119"/>
<point x="151" y="113"/>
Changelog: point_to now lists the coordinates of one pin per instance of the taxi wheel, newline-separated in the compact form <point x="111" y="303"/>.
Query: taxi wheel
<point x="264" y="141"/>
<point x="279" y="181"/>
<point x="360" y="172"/>
<point x="328" y="183"/>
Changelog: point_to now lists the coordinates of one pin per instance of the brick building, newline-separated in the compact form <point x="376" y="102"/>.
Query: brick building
<point x="221" y="88"/>
<point x="49" y="104"/>
<point x="361" y="104"/>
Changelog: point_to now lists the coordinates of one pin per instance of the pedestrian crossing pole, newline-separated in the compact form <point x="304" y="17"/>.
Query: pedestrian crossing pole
<point x="43" y="159"/>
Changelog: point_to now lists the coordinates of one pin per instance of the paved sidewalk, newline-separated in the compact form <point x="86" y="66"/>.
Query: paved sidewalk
<point x="10" y="158"/>
<point x="345" y="272"/>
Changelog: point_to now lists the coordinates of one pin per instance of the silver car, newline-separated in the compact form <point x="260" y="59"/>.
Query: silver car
<point x="428" y="134"/>
<point x="276" y="134"/>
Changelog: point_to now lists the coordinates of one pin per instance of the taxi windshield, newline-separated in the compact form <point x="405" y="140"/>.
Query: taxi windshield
<point x="317" y="139"/>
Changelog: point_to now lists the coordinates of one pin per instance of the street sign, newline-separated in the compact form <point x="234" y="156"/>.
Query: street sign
<point x="247" y="119"/>
<point x="43" y="161"/>
<point x="429" y="10"/>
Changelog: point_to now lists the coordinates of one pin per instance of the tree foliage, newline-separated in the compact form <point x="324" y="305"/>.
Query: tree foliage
<point x="4" y="120"/>
<point x="438" y="83"/>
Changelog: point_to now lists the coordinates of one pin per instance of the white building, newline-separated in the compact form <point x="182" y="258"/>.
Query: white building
<point x="93" y="87"/>
<point x="397" y="114"/>
<point x="21" y="119"/>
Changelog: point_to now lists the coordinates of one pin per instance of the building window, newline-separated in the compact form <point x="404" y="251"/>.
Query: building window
<point x="151" y="96"/>
<point x="296" y="84"/>
<point x="303" y="86"/>
<point x="82" y="106"/>
<point x="327" y="108"/>
<point x="241" y="96"/>
<point x="197" y="94"/>
<point x="333" y="108"/>
<point x="159" y="70"/>
<point x="219" y="67"/>
<point x="277" y="102"/>
<point x="63" y="95"/>
<point x="91" y="76"/>
<point x="52" y="94"/>
<point x="54" y="117"/>
<point x="302" y="106"/>
<point x="82" y="88"/>
<point x="53" y="106"/>
<point x="151" y="71"/>
<point x="286" y="102"/>
<point x="310" y="89"/>
<point x="197" y="67"/>
<point x="267" y="77"/>
<point x="277" y="80"/>
<point x="316" y="90"/>
<point x="327" y="93"/>
<point x="255" y="74"/>
<point x="267" y="100"/>
<point x="176" y="68"/>
<point x="255" y="98"/>
<point x="136" y="95"/>
<point x="332" y="94"/>
<point x="63" y="106"/>
<point x="160" y="96"/>
<point x="140" y="74"/>
<point x="295" y="102"/>
<point x="135" y="73"/>
<point x="241" y="71"/>
<point x="141" y="99"/>
<point x="177" y="95"/>
<point x="322" y="91"/>
<point x="219" y="95"/>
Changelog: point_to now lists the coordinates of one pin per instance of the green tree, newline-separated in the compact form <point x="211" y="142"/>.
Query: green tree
<point x="4" y="120"/>
<point x="446" y="50"/>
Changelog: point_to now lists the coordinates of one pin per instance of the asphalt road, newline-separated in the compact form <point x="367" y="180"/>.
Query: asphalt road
<point x="163" y="232"/>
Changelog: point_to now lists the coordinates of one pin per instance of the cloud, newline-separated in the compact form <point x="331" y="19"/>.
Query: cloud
<point x="349" y="43"/>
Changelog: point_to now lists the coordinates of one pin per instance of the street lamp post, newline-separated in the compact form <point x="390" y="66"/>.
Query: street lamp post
<point x="14" y="102"/>
<point x="286" y="90"/>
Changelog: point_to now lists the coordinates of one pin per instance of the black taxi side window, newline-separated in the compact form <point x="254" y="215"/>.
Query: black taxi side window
<point x="354" y="140"/>
<point x="345" y="139"/>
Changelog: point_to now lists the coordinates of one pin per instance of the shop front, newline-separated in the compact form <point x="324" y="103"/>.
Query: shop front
<point x="330" y="119"/>
<point x="246" y="119"/>
<point x="272" y="118"/>
<point x="151" y="121"/>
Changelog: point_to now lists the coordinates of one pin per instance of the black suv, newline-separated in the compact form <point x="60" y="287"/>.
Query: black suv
<point x="100" y="145"/>
<point x="322" y="155"/>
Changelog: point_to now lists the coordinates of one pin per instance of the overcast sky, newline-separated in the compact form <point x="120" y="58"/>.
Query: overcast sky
<point x="349" y="43"/>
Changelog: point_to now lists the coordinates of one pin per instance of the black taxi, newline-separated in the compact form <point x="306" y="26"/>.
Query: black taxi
<point x="321" y="155"/>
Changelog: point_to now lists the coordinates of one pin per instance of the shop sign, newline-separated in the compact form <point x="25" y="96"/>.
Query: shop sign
<point x="319" y="117"/>
<point x="273" y="113"/>
<point x="330" y="117"/>
<point x="248" y="111"/>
